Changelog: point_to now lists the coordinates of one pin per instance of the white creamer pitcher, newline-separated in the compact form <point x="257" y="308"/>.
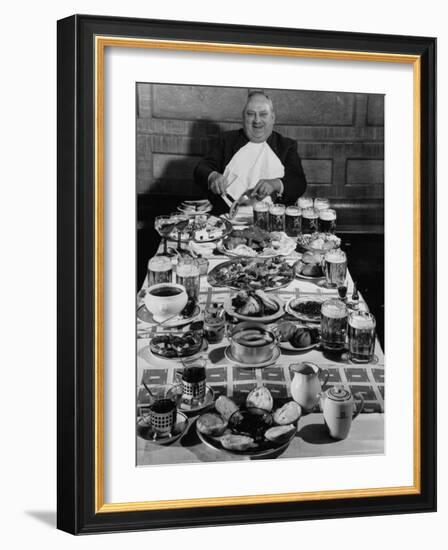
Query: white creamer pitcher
<point x="306" y="386"/>
<point x="339" y="409"/>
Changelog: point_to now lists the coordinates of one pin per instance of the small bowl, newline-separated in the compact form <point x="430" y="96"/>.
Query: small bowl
<point x="252" y="342"/>
<point x="165" y="300"/>
<point x="252" y="422"/>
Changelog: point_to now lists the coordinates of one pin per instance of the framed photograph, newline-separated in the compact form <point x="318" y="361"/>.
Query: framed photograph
<point x="246" y="259"/>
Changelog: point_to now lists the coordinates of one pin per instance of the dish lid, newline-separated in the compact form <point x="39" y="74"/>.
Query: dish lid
<point x="339" y="393"/>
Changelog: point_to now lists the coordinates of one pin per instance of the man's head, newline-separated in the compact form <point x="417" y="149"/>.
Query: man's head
<point x="258" y="117"/>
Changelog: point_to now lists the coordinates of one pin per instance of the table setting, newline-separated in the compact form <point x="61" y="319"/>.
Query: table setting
<point x="253" y="341"/>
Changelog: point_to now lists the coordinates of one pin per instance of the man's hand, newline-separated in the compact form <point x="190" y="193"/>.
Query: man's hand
<point x="217" y="183"/>
<point x="265" y="188"/>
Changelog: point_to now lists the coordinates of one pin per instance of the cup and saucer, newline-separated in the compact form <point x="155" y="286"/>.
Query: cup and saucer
<point x="190" y="405"/>
<point x="146" y="430"/>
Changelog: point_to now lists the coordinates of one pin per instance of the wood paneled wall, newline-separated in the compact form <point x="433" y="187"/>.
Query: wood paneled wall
<point x="340" y="138"/>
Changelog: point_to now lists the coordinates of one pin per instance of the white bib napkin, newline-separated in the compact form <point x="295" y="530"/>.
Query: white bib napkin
<point x="251" y="163"/>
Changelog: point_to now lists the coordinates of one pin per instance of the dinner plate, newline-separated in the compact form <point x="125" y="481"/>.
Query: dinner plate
<point x="307" y="278"/>
<point x="282" y="281"/>
<point x="287" y="249"/>
<point x="228" y="308"/>
<point x="145" y="431"/>
<point x="193" y="213"/>
<point x="265" y="450"/>
<point x="178" y="359"/>
<point x="229" y="356"/>
<point x="143" y="314"/>
<point x="303" y="316"/>
<point x="243" y="220"/>
<point x="225" y="228"/>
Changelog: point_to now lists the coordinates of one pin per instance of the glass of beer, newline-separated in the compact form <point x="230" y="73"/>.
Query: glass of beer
<point x="361" y="336"/>
<point x="333" y="324"/>
<point x="309" y="220"/>
<point x="335" y="268"/>
<point x="293" y="221"/>
<point x="261" y="215"/>
<point x="304" y="202"/>
<point x="277" y="217"/>
<point x="188" y="275"/>
<point x="321" y="203"/>
<point x="160" y="270"/>
<point x="327" y="221"/>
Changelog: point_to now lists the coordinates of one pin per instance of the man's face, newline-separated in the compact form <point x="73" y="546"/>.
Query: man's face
<point x="258" y="119"/>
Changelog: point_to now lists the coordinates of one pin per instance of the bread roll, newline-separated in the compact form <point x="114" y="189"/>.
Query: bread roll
<point x="211" y="424"/>
<point x="237" y="442"/>
<point x="261" y="398"/>
<point x="280" y="433"/>
<point x="225" y="406"/>
<point x="288" y="414"/>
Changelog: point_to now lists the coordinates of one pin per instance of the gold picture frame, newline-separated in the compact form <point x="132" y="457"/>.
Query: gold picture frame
<point x="95" y="35"/>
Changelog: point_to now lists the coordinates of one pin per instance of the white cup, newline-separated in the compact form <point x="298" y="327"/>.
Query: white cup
<point x="165" y="300"/>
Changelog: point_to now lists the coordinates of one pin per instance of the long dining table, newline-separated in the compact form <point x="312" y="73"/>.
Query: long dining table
<point x="366" y="436"/>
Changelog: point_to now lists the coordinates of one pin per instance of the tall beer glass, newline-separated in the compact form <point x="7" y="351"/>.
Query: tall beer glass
<point x="333" y="325"/>
<point x="277" y="217"/>
<point x="293" y="221"/>
<point x="309" y="220"/>
<point x="327" y="221"/>
<point x="305" y="202"/>
<point x="361" y="336"/>
<point x="261" y="215"/>
<point x="321" y="204"/>
<point x="160" y="270"/>
<point x="188" y="275"/>
<point x="335" y="268"/>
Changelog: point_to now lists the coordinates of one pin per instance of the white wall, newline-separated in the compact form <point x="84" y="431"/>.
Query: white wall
<point x="28" y="272"/>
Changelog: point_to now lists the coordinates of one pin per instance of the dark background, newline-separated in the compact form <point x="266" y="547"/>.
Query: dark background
<point x="340" y="139"/>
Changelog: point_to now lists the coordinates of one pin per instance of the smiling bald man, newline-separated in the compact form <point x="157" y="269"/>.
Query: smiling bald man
<point x="254" y="160"/>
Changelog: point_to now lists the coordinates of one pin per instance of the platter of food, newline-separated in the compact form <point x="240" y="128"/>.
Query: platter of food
<point x="306" y="308"/>
<point x="253" y="430"/>
<point x="254" y="305"/>
<point x="202" y="229"/>
<point x="318" y="242"/>
<point x="176" y="346"/>
<point x="252" y="274"/>
<point x="194" y="207"/>
<point x="309" y="267"/>
<point x="296" y="337"/>
<point x="253" y="241"/>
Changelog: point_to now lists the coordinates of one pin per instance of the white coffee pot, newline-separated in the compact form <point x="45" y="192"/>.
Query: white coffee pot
<point x="339" y="410"/>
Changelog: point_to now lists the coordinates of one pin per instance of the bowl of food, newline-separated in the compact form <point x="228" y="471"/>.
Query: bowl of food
<point x="306" y="308"/>
<point x="249" y="429"/>
<point x="252" y="342"/>
<point x="174" y="346"/>
<point x="293" y="336"/>
<point x="318" y="242"/>
<point x="248" y="305"/>
<point x="309" y="267"/>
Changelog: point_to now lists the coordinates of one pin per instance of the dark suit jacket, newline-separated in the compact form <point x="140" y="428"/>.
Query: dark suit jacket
<point x="220" y="154"/>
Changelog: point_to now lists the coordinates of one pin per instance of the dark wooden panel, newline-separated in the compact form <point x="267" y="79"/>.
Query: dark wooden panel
<point x="313" y="109"/>
<point x="375" y="110"/>
<point x="365" y="172"/>
<point x="198" y="102"/>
